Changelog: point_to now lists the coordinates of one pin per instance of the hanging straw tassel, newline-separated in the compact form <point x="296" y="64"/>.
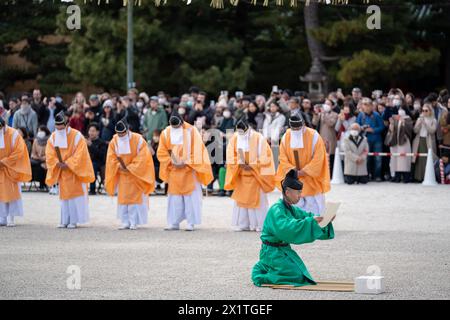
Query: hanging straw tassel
<point x="294" y="3"/>
<point x="217" y="4"/>
<point x="98" y="2"/>
<point x="136" y="2"/>
<point x="234" y="2"/>
<point x="158" y="3"/>
<point x="266" y="3"/>
<point x="253" y="2"/>
<point x="279" y="2"/>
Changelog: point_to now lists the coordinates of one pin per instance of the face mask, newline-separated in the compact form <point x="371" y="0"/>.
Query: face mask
<point x="140" y="104"/>
<point x="105" y="121"/>
<point x="326" y="108"/>
<point x="155" y="139"/>
<point x="397" y="103"/>
<point x="124" y="137"/>
<point x="241" y="132"/>
<point x="41" y="135"/>
<point x="401" y="113"/>
<point x="181" y="111"/>
<point x="153" y="112"/>
<point x="416" y="106"/>
<point x="190" y="103"/>
<point x="354" y="133"/>
<point x="296" y="129"/>
<point x="227" y="114"/>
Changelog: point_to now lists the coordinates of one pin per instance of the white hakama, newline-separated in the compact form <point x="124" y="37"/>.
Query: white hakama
<point x="188" y="207"/>
<point x="133" y="214"/>
<point x="313" y="204"/>
<point x="251" y="219"/>
<point x="11" y="209"/>
<point x="76" y="210"/>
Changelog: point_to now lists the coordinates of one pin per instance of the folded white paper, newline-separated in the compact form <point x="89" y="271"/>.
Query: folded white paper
<point x="296" y="139"/>
<point x="123" y="145"/>
<point x="176" y="136"/>
<point x="330" y="212"/>
<point x="61" y="139"/>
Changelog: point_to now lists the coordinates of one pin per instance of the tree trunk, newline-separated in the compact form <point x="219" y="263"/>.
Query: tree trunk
<point x="316" y="50"/>
<point x="447" y="67"/>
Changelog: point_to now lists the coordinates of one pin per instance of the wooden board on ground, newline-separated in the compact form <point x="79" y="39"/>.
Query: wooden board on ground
<point x="321" y="286"/>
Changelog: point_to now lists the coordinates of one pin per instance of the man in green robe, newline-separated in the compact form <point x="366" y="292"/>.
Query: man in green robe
<point x="287" y="224"/>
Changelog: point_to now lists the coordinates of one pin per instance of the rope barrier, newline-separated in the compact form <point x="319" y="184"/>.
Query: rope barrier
<point x="389" y="154"/>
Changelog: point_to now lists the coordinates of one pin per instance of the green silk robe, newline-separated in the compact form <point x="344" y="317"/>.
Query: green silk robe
<point x="282" y="265"/>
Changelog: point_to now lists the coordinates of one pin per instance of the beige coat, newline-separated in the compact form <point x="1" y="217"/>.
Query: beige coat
<point x="431" y="137"/>
<point x="399" y="139"/>
<point x="352" y="153"/>
<point x="327" y="132"/>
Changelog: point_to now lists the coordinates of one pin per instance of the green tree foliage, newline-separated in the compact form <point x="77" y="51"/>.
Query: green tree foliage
<point x="174" y="47"/>
<point x="178" y="45"/>
<point x="19" y="22"/>
<point x="391" y="56"/>
<point x="246" y="47"/>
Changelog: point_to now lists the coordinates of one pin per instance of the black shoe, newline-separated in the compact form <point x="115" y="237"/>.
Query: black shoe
<point x="406" y="178"/>
<point x="228" y="193"/>
<point x="92" y="193"/>
<point x="378" y="179"/>
<point x="221" y="193"/>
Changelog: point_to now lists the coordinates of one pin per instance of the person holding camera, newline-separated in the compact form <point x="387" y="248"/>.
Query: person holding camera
<point x="372" y="125"/>
<point x="425" y="130"/>
<point x="399" y="140"/>
<point x="325" y="122"/>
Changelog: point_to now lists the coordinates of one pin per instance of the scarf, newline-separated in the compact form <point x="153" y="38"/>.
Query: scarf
<point x="356" y="140"/>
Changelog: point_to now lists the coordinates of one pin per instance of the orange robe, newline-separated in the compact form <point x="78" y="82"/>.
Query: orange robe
<point x="247" y="185"/>
<point x="317" y="179"/>
<point x="141" y="176"/>
<point x="17" y="167"/>
<point x="195" y="155"/>
<point x="77" y="158"/>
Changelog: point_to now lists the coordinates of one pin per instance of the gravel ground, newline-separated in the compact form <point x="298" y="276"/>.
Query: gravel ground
<point x="403" y="229"/>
